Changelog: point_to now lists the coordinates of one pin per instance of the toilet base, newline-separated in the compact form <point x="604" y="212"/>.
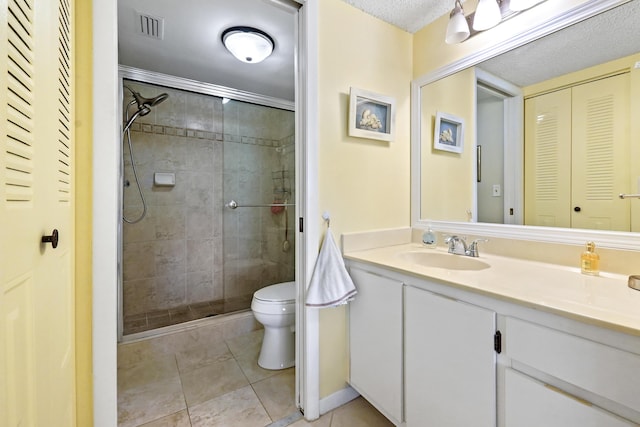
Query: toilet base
<point x="278" y="348"/>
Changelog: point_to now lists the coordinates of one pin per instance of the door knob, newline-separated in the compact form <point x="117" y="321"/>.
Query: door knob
<point x="53" y="238"/>
<point x="577" y="209"/>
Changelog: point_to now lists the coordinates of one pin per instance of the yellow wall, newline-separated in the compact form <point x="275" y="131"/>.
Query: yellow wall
<point x="83" y="157"/>
<point x="445" y="173"/>
<point x="363" y="183"/>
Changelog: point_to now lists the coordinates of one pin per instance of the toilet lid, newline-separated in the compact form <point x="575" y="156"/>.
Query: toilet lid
<point x="277" y="293"/>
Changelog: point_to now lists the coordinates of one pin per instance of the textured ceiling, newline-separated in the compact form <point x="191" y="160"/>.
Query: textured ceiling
<point x="192" y="49"/>
<point x="410" y="15"/>
<point x="605" y="37"/>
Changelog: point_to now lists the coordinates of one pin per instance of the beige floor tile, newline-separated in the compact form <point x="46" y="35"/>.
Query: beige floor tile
<point x="151" y="370"/>
<point x="240" y="408"/>
<point x="277" y="393"/>
<point x="149" y="402"/>
<point x="246" y="344"/>
<point x="249" y="365"/>
<point x="211" y="381"/>
<point x="323" y="421"/>
<point x="179" y="419"/>
<point x="200" y="356"/>
<point x="358" y="413"/>
<point x="131" y="353"/>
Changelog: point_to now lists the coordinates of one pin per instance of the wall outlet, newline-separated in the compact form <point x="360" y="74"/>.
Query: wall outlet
<point x="497" y="190"/>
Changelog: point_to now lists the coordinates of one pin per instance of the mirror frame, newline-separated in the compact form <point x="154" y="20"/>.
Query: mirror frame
<point x="608" y="239"/>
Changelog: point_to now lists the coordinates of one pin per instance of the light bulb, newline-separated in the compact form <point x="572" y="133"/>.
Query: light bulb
<point x="457" y="29"/>
<point x="487" y="15"/>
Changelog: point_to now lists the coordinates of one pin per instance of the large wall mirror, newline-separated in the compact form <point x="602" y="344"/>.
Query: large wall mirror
<point x="549" y="134"/>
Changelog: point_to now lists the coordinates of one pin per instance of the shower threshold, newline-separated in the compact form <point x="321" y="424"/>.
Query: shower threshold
<point x="150" y="320"/>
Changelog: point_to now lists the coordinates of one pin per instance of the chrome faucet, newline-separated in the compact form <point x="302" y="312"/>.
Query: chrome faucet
<point x="458" y="246"/>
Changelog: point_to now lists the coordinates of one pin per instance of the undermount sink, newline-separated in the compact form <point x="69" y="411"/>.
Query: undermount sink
<point x="445" y="261"/>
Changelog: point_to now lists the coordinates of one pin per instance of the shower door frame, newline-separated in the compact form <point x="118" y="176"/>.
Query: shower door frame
<point x="172" y="82"/>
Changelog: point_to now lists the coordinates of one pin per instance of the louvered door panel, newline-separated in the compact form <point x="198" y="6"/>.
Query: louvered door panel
<point x="64" y="102"/>
<point x="18" y="168"/>
<point x="548" y="159"/>
<point x="601" y="154"/>
<point x="18" y="373"/>
<point x="37" y="336"/>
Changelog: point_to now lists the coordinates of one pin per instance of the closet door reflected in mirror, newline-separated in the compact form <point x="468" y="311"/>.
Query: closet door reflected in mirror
<point x="577" y="151"/>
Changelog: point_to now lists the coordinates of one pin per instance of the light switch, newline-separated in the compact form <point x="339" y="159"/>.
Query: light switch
<point x="497" y="190"/>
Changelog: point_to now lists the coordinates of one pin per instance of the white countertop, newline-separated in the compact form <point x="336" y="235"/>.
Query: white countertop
<point x="604" y="300"/>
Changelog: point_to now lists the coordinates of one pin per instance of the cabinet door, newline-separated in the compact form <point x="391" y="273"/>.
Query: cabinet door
<point x="529" y="403"/>
<point x="449" y="362"/>
<point x="375" y="337"/>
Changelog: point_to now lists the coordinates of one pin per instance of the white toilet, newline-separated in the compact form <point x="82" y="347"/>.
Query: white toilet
<point x="275" y="307"/>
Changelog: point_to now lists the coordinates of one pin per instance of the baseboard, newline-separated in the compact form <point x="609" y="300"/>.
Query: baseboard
<point x="337" y="399"/>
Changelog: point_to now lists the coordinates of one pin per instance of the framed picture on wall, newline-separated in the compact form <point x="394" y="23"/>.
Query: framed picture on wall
<point x="371" y="115"/>
<point x="449" y="133"/>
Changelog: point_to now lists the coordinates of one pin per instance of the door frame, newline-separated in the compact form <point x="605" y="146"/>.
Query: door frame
<point x="105" y="166"/>
<point x="513" y="136"/>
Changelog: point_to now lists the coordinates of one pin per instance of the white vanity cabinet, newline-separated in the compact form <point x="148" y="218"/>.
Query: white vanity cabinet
<point x="375" y="337"/>
<point x="450" y="363"/>
<point x="558" y="379"/>
<point x="426" y="353"/>
<point x="531" y="403"/>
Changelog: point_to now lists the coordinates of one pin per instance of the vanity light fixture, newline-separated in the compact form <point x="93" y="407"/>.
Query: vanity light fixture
<point x="488" y="14"/>
<point x="248" y="44"/>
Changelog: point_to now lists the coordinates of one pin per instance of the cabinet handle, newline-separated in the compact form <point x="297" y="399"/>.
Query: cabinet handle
<point x="570" y="396"/>
<point x="497" y="342"/>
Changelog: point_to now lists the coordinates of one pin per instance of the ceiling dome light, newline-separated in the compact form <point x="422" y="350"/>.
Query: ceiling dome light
<point x="248" y="44"/>
<point x="487" y="15"/>
<point x="518" y="5"/>
<point x="457" y="28"/>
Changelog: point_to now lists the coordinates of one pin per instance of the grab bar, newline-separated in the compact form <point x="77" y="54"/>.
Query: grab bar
<point x="629" y="196"/>
<point x="234" y="205"/>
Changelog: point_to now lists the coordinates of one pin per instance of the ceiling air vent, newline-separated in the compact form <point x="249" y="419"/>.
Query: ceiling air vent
<point x="150" y="26"/>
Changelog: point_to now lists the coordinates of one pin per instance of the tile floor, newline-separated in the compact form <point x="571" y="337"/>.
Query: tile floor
<point x="216" y="385"/>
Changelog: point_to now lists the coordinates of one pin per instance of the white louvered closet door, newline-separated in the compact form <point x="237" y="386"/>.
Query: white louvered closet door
<point x="577" y="156"/>
<point x="37" y="361"/>
<point x="548" y="160"/>
<point x="600" y="155"/>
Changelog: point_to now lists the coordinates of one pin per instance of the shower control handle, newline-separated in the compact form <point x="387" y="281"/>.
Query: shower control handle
<point x="232" y="204"/>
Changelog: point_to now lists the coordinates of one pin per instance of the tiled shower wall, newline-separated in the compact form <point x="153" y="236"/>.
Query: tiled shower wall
<point x="189" y="248"/>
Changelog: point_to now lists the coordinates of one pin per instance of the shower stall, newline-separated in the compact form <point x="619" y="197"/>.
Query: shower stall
<point x="210" y="209"/>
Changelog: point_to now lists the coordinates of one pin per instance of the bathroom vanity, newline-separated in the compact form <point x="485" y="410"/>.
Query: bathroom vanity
<point x="446" y="340"/>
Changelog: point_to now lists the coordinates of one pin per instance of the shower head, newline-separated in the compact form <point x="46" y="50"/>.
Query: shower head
<point x="148" y="102"/>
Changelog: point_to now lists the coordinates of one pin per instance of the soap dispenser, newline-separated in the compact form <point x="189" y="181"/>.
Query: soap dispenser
<point x="429" y="238"/>
<point x="590" y="260"/>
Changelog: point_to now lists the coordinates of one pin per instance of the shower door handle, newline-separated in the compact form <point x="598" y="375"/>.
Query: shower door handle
<point x="231" y="205"/>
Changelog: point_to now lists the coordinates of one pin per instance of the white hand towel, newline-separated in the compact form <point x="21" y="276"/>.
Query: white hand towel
<point x="330" y="284"/>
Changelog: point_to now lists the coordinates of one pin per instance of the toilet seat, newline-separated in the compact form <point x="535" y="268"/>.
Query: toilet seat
<point x="280" y="293"/>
